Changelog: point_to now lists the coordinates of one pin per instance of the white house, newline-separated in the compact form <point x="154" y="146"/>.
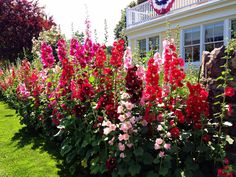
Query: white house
<point x="203" y="25"/>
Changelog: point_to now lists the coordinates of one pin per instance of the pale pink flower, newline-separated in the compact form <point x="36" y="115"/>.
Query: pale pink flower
<point x="128" y="114"/>
<point x="157" y="146"/>
<point x="140" y="73"/>
<point x="125" y="137"/>
<point x="121" y="118"/>
<point x="113" y="127"/>
<point x="168" y="134"/>
<point x="106" y="131"/>
<point x="124" y="96"/>
<point x="167" y="146"/>
<point x="120" y="109"/>
<point x="120" y="137"/>
<point x="122" y="155"/>
<point x="159" y="128"/>
<point x="111" y="142"/>
<point x="126" y="126"/>
<point x="130" y="145"/>
<point x="121" y="147"/>
<point x="129" y="106"/>
<point x="161" y="154"/>
<point x="133" y="120"/>
<point x="159" y="141"/>
<point x="127" y="58"/>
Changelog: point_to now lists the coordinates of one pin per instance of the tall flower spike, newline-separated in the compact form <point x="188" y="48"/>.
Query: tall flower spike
<point x="47" y="55"/>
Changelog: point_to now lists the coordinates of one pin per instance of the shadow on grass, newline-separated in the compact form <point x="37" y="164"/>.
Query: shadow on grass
<point x="25" y="137"/>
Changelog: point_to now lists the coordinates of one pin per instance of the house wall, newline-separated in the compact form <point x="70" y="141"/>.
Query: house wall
<point x="201" y="15"/>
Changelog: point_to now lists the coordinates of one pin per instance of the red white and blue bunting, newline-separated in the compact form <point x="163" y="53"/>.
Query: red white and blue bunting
<point x="161" y="6"/>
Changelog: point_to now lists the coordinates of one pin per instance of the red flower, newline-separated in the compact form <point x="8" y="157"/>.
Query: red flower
<point x="117" y="53"/>
<point x="206" y="138"/>
<point x="229" y="91"/>
<point x="111" y="163"/>
<point x="180" y="116"/>
<point x="175" y="132"/>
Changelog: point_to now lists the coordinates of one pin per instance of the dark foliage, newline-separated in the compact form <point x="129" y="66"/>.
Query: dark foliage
<point x="20" y="21"/>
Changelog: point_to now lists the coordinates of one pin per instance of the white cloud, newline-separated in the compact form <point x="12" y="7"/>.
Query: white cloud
<point x="73" y="11"/>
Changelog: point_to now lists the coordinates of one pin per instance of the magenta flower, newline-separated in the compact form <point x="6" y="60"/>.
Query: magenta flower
<point x="47" y="55"/>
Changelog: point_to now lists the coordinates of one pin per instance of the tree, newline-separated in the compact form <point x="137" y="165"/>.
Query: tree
<point x="119" y="30"/>
<point x="20" y="21"/>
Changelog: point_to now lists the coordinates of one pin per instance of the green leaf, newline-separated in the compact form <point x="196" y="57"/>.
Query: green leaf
<point x="147" y="158"/>
<point x="70" y="156"/>
<point x="156" y="160"/>
<point x="134" y="169"/>
<point x="138" y="151"/>
<point x="152" y="174"/>
<point x="72" y="169"/>
<point x="65" y="149"/>
<point x="163" y="171"/>
<point x="91" y="79"/>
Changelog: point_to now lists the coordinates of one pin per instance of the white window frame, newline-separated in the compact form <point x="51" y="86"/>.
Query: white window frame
<point x="191" y="45"/>
<point x="214" y="42"/>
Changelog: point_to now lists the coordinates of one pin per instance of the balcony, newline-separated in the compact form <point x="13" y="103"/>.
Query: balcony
<point x="144" y="12"/>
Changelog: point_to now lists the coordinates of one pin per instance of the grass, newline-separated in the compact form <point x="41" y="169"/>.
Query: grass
<point x="22" y="154"/>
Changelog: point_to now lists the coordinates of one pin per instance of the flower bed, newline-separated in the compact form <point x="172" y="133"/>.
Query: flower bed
<point x="119" y="119"/>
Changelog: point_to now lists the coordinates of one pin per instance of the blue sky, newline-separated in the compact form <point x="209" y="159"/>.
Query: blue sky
<point x="67" y="12"/>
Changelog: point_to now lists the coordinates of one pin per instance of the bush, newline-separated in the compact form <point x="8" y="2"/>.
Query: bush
<point x="20" y="21"/>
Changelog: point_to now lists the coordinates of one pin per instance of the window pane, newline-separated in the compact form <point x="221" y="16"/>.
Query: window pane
<point x="219" y="44"/>
<point x="154" y="43"/>
<point x="187" y="37"/>
<point x="142" y="47"/>
<point x="233" y="27"/>
<point x="196" y="36"/>
<point x="188" y="54"/>
<point x="209" y="33"/>
<point x="196" y="53"/>
<point x="219" y="32"/>
<point x="209" y="47"/>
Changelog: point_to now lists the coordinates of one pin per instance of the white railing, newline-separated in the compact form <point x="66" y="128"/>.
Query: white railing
<point x="144" y="12"/>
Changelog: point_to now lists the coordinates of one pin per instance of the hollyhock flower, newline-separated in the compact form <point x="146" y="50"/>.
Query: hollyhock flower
<point x="122" y="155"/>
<point x="159" y="141"/>
<point x="47" y="55"/>
<point x="159" y="128"/>
<point x="175" y="132"/>
<point x="111" y="163"/>
<point x="120" y="109"/>
<point x="61" y="49"/>
<point x="127" y="58"/>
<point x="129" y="106"/>
<point x="121" y="147"/>
<point x="129" y="145"/>
<point x="157" y="146"/>
<point x="229" y="108"/>
<point x="229" y="91"/>
<point x="125" y="126"/>
<point x="117" y="53"/>
<point x="206" y="138"/>
<point x="167" y="146"/>
<point x="124" y="96"/>
<point x="111" y="142"/>
<point x="162" y="154"/>
<point x="126" y="137"/>
<point x="180" y="116"/>
<point x="122" y="118"/>
<point x="168" y="134"/>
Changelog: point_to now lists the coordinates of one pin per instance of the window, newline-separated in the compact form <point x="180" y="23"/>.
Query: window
<point x="233" y="29"/>
<point x="154" y="43"/>
<point x="142" y="47"/>
<point x="214" y="36"/>
<point x="192" y="44"/>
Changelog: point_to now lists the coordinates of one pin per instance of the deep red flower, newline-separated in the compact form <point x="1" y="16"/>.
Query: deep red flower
<point x="111" y="163"/>
<point x="180" y="116"/>
<point x="206" y="138"/>
<point x="229" y="91"/>
<point x="175" y="132"/>
<point x="117" y="53"/>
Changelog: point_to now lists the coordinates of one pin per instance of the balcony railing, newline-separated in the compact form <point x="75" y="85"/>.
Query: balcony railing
<point x="144" y="12"/>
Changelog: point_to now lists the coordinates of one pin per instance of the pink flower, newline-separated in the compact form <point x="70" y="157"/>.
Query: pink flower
<point x="159" y="141"/>
<point x="168" y="134"/>
<point x="121" y="147"/>
<point x="120" y="109"/>
<point x="47" y="55"/>
<point x="120" y="137"/>
<point x="130" y="145"/>
<point x="111" y="142"/>
<point x="106" y="131"/>
<point x="161" y="154"/>
<point x="121" y="118"/>
<point x="122" y="155"/>
<point x="126" y="126"/>
<point x="167" y="146"/>
<point x="128" y="114"/>
<point x="126" y="137"/>
<point x="157" y="146"/>
<point x="159" y="128"/>
<point x="129" y="106"/>
<point x="229" y="109"/>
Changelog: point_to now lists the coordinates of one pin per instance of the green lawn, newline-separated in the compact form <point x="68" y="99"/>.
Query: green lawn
<point x="23" y="154"/>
